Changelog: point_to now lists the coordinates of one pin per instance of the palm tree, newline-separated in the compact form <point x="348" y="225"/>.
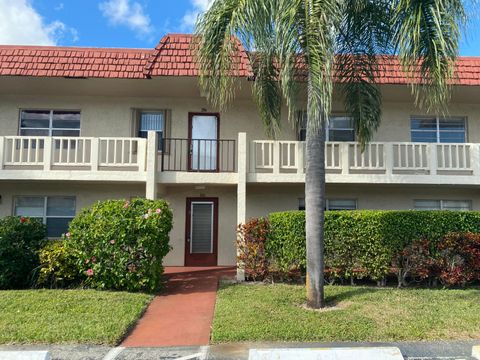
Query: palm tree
<point x="298" y="46"/>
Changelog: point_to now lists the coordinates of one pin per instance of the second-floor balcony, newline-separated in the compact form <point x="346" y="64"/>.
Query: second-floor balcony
<point x="182" y="160"/>
<point x="198" y="155"/>
<point x="383" y="162"/>
<point x="82" y="158"/>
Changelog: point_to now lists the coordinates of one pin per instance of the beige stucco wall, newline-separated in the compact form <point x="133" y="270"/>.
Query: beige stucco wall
<point x="107" y="110"/>
<point x="86" y="194"/>
<point x="112" y="116"/>
<point x="227" y="215"/>
<point x="263" y="199"/>
<point x="395" y="125"/>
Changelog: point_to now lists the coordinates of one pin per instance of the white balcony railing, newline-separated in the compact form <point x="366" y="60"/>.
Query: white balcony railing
<point x="287" y="157"/>
<point x="73" y="153"/>
<point x="137" y="159"/>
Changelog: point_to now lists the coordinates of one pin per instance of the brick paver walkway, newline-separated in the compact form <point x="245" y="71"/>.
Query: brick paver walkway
<point x="182" y="315"/>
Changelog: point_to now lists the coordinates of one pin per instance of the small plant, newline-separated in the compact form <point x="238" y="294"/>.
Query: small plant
<point x="20" y="240"/>
<point x="58" y="268"/>
<point x="459" y="258"/>
<point x="251" y="240"/>
<point x="120" y="245"/>
<point x="413" y="263"/>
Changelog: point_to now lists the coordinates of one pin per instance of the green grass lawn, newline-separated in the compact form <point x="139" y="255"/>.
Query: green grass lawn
<point x="275" y="313"/>
<point x="68" y="316"/>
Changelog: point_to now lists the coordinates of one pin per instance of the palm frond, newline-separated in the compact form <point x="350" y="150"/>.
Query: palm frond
<point x="267" y="92"/>
<point x="427" y="35"/>
<point x="364" y="35"/>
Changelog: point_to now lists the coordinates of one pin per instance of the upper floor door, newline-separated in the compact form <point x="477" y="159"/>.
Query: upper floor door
<point x="203" y="142"/>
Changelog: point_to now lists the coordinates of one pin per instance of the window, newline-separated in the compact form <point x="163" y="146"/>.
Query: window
<point x="301" y="204"/>
<point x="435" y="129"/>
<point x="340" y="128"/>
<point x="152" y="121"/>
<point x="341" y="204"/>
<point x="333" y="204"/>
<point x="49" y="123"/>
<point x="458" y="205"/>
<point x="55" y="211"/>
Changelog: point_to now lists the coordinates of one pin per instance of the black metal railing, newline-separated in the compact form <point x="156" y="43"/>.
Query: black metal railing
<point x="198" y="155"/>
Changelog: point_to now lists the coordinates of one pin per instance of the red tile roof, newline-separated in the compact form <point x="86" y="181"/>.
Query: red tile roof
<point x="390" y="71"/>
<point x="467" y="72"/>
<point x="43" y="61"/>
<point x="171" y="57"/>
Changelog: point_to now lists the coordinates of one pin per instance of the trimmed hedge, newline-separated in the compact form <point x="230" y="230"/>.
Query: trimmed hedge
<point x="364" y="242"/>
<point x="120" y="245"/>
<point x="20" y="240"/>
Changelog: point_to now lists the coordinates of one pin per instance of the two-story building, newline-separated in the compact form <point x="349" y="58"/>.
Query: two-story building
<point x="78" y="125"/>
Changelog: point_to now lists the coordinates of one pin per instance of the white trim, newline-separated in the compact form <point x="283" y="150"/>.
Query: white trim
<point x="442" y="204"/>
<point x="327" y="203"/>
<point x="302" y="126"/>
<point x="45" y="198"/>
<point x="437" y="125"/>
<point x="50" y="128"/>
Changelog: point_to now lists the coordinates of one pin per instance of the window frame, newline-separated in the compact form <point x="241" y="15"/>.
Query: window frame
<point x="437" y="129"/>
<point x="50" y="128"/>
<point x="327" y="204"/>
<point x="328" y="207"/>
<point x="161" y="140"/>
<point x="442" y="206"/>
<point x="301" y="128"/>
<point x="45" y="217"/>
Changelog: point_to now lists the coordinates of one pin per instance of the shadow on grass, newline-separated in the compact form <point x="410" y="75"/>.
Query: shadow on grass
<point x="333" y="300"/>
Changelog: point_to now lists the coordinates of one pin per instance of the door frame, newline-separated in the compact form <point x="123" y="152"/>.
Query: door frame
<point x="190" y="122"/>
<point x="208" y="259"/>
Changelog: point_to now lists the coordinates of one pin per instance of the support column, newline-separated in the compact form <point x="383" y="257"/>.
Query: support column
<point x="2" y="151"/>
<point x="345" y="157"/>
<point x="242" y="191"/>
<point x="389" y="158"/>
<point x="433" y="158"/>
<point x="152" y="165"/>
<point x="47" y="153"/>
<point x="95" y="154"/>
<point x="474" y="159"/>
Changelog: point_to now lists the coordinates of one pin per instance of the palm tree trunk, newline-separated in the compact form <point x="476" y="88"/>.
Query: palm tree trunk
<point x="315" y="211"/>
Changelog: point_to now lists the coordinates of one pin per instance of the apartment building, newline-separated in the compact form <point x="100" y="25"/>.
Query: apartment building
<point x="78" y="125"/>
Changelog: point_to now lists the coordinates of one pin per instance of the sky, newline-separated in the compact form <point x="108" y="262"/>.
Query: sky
<point x="121" y="23"/>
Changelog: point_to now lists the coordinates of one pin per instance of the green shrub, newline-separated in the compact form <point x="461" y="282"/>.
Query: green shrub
<point x="251" y="240"/>
<point x="459" y="258"/>
<point x="363" y="242"/>
<point x="20" y="240"/>
<point x="58" y="266"/>
<point x="120" y="245"/>
<point x="415" y="263"/>
<point x="286" y="244"/>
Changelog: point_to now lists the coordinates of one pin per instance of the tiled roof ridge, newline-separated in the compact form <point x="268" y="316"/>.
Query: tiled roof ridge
<point x="72" y="48"/>
<point x="172" y="56"/>
<point x="147" y="70"/>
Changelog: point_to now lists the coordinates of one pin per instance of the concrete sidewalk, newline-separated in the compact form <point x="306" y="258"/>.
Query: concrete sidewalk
<point x="452" y="350"/>
<point x="182" y="315"/>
